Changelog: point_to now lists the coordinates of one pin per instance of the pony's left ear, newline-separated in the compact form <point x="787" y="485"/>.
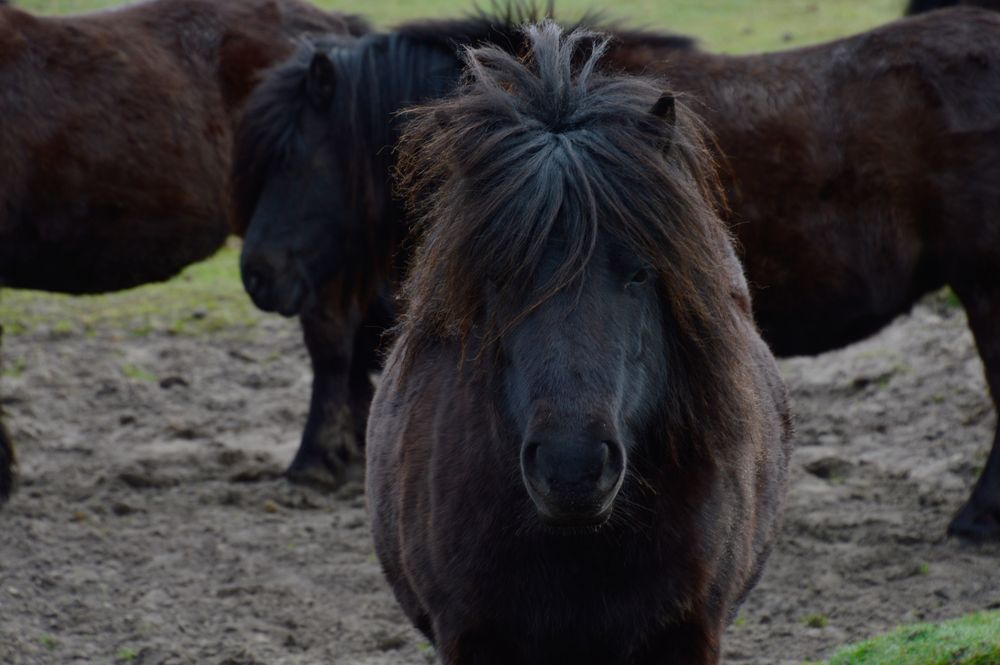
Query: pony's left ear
<point x="321" y="80"/>
<point x="665" y="109"/>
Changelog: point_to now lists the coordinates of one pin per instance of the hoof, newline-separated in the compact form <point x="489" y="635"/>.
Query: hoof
<point x="316" y="474"/>
<point x="976" y="524"/>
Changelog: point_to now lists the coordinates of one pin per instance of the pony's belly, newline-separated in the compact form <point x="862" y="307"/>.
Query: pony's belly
<point x="106" y="257"/>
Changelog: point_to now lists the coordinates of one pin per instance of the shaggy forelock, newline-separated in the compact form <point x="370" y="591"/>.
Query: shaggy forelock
<point x="548" y="146"/>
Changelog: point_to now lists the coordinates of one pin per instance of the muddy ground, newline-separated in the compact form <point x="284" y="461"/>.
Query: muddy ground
<point x="152" y="525"/>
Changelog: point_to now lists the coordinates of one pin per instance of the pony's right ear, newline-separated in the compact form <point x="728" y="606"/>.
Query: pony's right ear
<point x="320" y="80"/>
<point x="665" y="108"/>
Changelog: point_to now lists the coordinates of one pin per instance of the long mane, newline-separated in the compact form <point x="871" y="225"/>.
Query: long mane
<point x="548" y="148"/>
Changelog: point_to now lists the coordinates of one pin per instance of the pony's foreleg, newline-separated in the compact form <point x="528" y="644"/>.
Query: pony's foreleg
<point x="329" y="441"/>
<point x="979" y="518"/>
<point x="476" y="648"/>
<point x="367" y="358"/>
<point x="684" y="643"/>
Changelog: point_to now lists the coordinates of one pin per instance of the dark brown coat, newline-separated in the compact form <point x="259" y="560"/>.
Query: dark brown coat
<point x="116" y="134"/>
<point x="862" y="174"/>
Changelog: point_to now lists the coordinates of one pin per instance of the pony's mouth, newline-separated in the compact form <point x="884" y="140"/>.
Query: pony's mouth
<point x="576" y="524"/>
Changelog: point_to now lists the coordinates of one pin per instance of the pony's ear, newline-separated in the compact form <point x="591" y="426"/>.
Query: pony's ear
<point x="321" y="80"/>
<point x="665" y="109"/>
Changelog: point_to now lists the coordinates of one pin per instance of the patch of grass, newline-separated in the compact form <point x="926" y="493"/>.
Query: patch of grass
<point x="138" y="373"/>
<point x="49" y="642"/>
<point x="816" y="621"/>
<point x="971" y="640"/>
<point x="950" y="299"/>
<point x="15" y="368"/>
<point x="126" y="655"/>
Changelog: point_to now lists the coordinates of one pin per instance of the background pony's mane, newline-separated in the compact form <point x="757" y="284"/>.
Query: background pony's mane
<point x="548" y="148"/>
<point x="268" y="136"/>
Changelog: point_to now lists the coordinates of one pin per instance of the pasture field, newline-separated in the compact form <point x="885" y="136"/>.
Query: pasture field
<point x="152" y="525"/>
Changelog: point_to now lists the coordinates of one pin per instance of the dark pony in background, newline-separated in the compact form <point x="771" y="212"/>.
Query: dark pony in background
<point x="578" y="449"/>
<point x="324" y="234"/>
<point x="117" y="134"/>
<point x="860" y="174"/>
<point x="117" y="137"/>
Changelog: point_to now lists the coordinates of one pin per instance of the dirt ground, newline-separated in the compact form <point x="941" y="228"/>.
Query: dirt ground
<point x="152" y="525"/>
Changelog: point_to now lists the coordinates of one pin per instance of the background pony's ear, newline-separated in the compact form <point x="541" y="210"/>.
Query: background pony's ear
<point x="321" y="80"/>
<point x="665" y="108"/>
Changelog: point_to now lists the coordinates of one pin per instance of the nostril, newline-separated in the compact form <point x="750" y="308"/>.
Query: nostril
<point x="535" y="475"/>
<point x="252" y="281"/>
<point x="613" y="463"/>
<point x="530" y="455"/>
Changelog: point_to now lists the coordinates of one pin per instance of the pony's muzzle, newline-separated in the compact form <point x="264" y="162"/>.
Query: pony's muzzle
<point x="572" y="481"/>
<point x="268" y="285"/>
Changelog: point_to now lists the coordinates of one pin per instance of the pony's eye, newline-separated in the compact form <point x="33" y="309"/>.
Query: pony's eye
<point x="640" y="276"/>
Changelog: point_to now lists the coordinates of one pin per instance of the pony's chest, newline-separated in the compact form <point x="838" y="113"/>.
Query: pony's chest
<point x="582" y="603"/>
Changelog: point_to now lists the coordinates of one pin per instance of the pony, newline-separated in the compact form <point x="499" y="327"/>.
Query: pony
<point x="117" y="136"/>
<point x="323" y="232"/>
<point x="858" y="173"/>
<point x="578" y="449"/>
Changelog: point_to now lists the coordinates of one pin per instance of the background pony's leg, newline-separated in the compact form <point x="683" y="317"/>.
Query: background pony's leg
<point x="7" y="460"/>
<point x="979" y="518"/>
<point x="329" y="441"/>
<point x="366" y="359"/>
<point x="7" y="464"/>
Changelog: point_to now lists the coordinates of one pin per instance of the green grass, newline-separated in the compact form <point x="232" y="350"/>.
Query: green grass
<point x="971" y="640"/>
<point x="126" y="655"/>
<point x="816" y="621"/>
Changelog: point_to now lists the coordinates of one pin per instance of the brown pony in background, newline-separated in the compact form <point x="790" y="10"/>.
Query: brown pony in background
<point x="860" y="175"/>
<point x="578" y="449"/>
<point x="116" y="136"/>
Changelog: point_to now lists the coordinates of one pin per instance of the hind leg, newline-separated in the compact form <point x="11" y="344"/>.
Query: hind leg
<point x="979" y="518"/>
<point x="329" y="441"/>
<point x="7" y="460"/>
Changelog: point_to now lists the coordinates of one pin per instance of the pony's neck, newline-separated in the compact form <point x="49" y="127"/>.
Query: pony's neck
<point x="388" y="73"/>
<point x="397" y="71"/>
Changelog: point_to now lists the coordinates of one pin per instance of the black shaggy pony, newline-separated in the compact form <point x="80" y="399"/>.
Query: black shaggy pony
<point x="324" y="235"/>
<point x="578" y="450"/>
